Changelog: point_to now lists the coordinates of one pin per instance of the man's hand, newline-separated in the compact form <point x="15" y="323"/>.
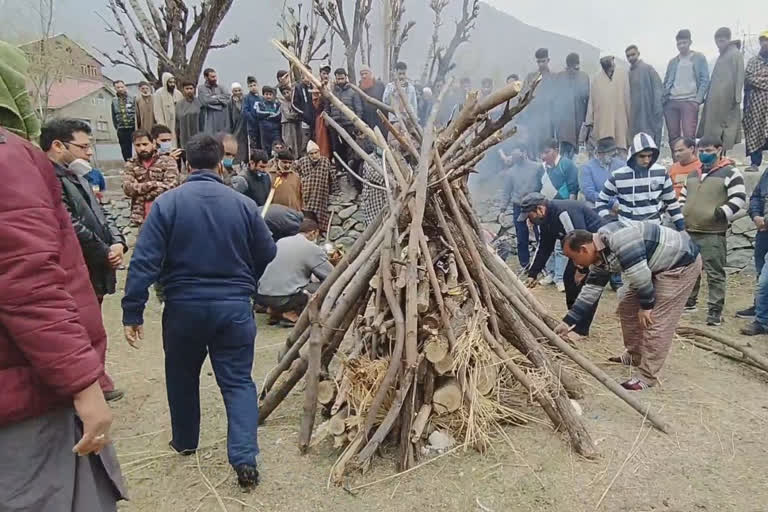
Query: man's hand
<point x="96" y="417"/>
<point x="578" y="276"/>
<point x="615" y="208"/>
<point x="645" y="317"/>
<point x="760" y="223"/>
<point x="563" y="329"/>
<point x="720" y="214"/>
<point x="115" y="255"/>
<point x="531" y="282"/>
<point x="176" y="153"/>
<point x="133" y="334"/>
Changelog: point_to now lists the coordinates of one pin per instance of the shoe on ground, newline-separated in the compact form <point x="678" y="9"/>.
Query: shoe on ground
<point x="186" y="452"/>
<point x="546" y="280"/>
<point x="634" y="384"/>
<point x="746" y="314"/>
<point x="690" y="307"/>
<point x="247" y="476"/>
<point x="752" y="168"/>
<point x="714" y="319"/>
<point x="560" y="287"/>
<point x="754" y="329"/>
<point x="114" y="395"/>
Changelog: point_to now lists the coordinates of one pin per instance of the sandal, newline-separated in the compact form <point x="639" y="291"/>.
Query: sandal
<point x="634" y="384"/>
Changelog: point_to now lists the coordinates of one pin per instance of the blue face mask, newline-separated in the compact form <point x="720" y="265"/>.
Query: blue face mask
<point x="165" y="147"/>
<point x="707" y="158"/>
<point x="228" y="162"/>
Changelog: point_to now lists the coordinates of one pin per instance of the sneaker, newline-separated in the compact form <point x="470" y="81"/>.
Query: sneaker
<point x="690" y="307"/>
<point x="746" y="314"/>
<point x="114" y="395"/>
<point x="560" y="287"/>
<point x="753" y="329"/>
<point x="179" y="450"/>
<point x="714" y="319"/>
<point x="247" y="476"/>
<point x="634" y="384"/>
<point x="752" y="168"/>
<point x="546" y="280"/>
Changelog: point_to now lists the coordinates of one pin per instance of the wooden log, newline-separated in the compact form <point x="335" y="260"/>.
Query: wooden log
<point x="448" y="397"/>
<point x="487" y="376"/>
<point x="340" y="440"/>
<point x="313" y="375"/>
<point x="423" y="296"/>
<point x="759" y="360"/>
<point x="326" y="391"/>
<point x="417" y="429"/>
<point x="373" y="101"/>
<point x="401" y="139"/>
<point x="337" y="425"/>
<point x="341" y="396"/>
<point x="285" y="362"/>
<point x="445" y="365"/>
<point x="437" y="292"/>
<point x="435" y="349"/>
<point x="411" y="115"/>
<point x="544" y="399"/>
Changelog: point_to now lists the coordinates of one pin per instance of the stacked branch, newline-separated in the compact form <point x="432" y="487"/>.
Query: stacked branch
<point x="431" y="330"/>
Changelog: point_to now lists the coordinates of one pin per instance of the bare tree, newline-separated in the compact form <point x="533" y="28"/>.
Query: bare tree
<point x="437" y="7"/>
<point x="46" y="59"/>
<point x="303" y="37"/>
<point x="332" y="12"/>
<point x="171" y="37"/>
<point x="397" y="37"/>
<point x="444" y="56"/>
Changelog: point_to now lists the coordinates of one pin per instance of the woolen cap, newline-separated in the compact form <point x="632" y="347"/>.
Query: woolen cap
<point x="529" y="203"/>
<point x="606" y="145"/>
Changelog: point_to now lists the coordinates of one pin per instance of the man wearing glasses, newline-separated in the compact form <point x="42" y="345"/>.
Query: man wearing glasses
<point x="67" y="142"/>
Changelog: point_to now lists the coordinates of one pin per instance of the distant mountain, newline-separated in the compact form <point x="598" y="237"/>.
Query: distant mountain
<point x="500" y="44"/>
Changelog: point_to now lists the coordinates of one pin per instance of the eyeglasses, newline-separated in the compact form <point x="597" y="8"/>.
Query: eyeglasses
<point x="84" y="147"/>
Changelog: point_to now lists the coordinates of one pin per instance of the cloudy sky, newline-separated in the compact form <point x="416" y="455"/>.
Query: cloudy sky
<point x="650" y="24"/>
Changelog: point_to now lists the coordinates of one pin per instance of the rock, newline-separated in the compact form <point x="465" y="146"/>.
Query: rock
<point x="121" y="222"/>
<point x="738" y="242"/>
<point x="335" y="233"/>
<point x="130" y="239"/>
<point x="335" y="208"/>
<point x="121" y="204"/>
<point x="348" y="224"/>
<point x="439" y="441"/>
<point x="492" y="227"/>
<point x="742" y="225"/>
<point x="348" y="212"/>
<point x="346" y="241"/>
<point x="740" y="258"/>
<point x="360" y="226"/>
<point x="336" y="221"/>
<point x="125" y="214"/>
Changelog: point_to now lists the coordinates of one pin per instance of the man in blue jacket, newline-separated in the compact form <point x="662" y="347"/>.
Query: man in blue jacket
<point x="208" y="246"/>
<point x="555" y="219"/>
<point x="249" y="112"/>
<point x="596" y="172"/>
<point x="758" y="313"/>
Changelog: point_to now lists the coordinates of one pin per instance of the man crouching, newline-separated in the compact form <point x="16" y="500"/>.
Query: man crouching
<point x="659" y="267"/>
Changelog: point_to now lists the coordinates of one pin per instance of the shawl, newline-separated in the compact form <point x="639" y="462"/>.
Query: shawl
<point x="756" y="104"/>
<point x="316" y="180"/>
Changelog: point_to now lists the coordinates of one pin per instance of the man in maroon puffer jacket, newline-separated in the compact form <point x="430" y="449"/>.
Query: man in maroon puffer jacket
<point x="52" y="348"/>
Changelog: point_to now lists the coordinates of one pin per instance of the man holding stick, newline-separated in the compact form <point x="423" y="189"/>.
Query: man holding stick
<point x="659" y="267"/>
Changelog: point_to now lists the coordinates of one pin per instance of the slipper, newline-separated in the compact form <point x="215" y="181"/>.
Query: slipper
<point x="284" y="322"/>
<point x="273" y="321"/>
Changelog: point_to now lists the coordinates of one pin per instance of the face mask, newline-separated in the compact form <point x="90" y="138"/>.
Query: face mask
<point x="79" y="167"/>
<point x="164" y="147"/>
<point x="538" y="221"/>
<point x="707" y="158"/>
<point x="228" y="162"/>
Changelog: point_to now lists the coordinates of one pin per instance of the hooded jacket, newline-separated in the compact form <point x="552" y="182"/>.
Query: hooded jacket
<point x="350" y="98"/>
<point x="711" y="198"/>
<point x="165" y="104"/>
<point x="642" y="194"/>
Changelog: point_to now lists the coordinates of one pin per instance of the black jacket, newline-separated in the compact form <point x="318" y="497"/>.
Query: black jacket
<point x="283" y="221"/>
<point x="563" y="216"/>
<point x="302" y="102"/>
<point x="255" y="185"/>
<point x="94" y="231"/>
<point x="351" y="99"/>
<point x="369" y="110"/>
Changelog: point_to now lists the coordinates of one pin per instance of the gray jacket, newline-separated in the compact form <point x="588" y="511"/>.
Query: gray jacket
<point x="350" y="98"/>
<point x="700" y="71"/>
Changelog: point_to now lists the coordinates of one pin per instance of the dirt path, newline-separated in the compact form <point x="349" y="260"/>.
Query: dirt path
<point x="716" y="459"/>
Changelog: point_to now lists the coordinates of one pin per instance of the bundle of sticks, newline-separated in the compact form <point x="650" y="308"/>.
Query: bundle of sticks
<point x="428" y="328"/>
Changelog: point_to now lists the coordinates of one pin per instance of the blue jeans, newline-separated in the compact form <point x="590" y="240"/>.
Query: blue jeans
<point x="756" y="157"/>
<point x="556" y="263"/>
<point x="226" y="330"/>
<point x="761" y="290"/>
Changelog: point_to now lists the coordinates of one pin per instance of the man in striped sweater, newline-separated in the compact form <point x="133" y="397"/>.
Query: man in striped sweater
<point x="659" y="267"/>
<point x="642" y="188"/>
<point x="711" y="196"/>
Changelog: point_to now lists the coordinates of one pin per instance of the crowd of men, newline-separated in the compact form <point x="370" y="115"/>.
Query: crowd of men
<point x="623" y="215"/>
<point x="230" y="191"/>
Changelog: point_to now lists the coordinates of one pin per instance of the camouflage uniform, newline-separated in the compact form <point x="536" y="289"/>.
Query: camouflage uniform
<point x="143" y="185"/>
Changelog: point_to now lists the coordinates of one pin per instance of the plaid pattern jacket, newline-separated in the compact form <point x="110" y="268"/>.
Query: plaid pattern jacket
<point x="638" y="251"/>
<point x="144" y="184"/>
<point x="756" y="104"/>
<point x="316" y="182"/>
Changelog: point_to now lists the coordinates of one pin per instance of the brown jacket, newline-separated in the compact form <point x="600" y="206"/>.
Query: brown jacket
<point x="143" y="184"/>
<point x="288" y="193"/>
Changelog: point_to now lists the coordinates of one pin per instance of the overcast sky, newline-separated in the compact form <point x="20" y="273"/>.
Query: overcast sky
<point x="650" y="24"/>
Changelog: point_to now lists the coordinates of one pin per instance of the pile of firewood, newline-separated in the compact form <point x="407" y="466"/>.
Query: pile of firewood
<point x="425" y="326"/>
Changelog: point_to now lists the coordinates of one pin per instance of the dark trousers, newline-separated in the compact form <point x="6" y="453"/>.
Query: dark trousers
<point x="225" y="330"/>
<point x="523" y="235"/>
<point x="340" y="146"/>
<point x="714" y="253"/>
<point x="572" y="290"/>
<point x="756" y="157"/>
<point x="124" y="137"/>
<point x="269" y="134"/>
<point x="682" y="119"/>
